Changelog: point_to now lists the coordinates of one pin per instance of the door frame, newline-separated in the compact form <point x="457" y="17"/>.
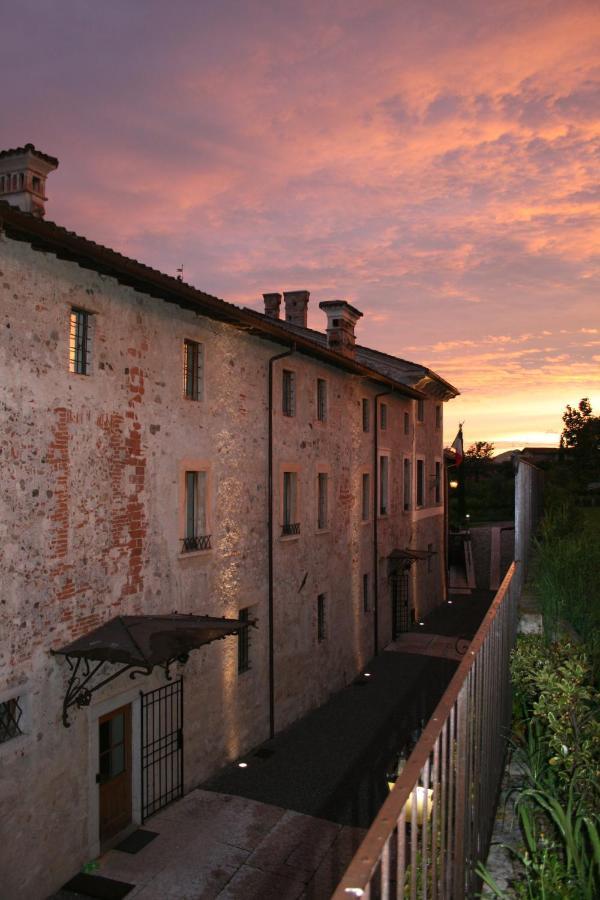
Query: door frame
<point x="95" y="713"/>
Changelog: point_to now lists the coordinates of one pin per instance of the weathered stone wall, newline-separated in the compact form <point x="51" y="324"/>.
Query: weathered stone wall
<point x="90" y="520"/>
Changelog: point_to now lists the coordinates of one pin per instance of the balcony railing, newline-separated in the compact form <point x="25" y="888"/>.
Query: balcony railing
<point x="436" y="823"/>
<point x="290" y="528"/>
<point x="196" y="542"/>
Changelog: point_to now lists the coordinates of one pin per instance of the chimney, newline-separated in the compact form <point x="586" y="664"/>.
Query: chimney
<point x="272" y="304"/>
<point x="296" y="307"/>
<point x="341" y="319"/>
<point x="23" y="173"/>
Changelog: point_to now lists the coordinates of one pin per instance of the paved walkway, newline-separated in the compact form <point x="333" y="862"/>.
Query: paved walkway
<point x="214" y="845"/>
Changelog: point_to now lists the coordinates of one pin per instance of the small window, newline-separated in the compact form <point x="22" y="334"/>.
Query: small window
<point x="366" y="415"/>
<point x="366" y="592"/>
<point x="321" y="400"/>
<point x="406" y="423"/>
<point x="244" y="642"/>
<point x="322" y="487"/>
<point x="195" y="537"/>
<point x="290" y="513"/>
<point x="288" y="399"/>
<point x="420" y="482"/>
<point x="420" y="410"/>
<point x="193" y="370"/>
<point x="383" y="416"/>
<point x="36" y="184"/>
<point x="384" y="465"/>
<point x="321" y="623"/>
<point x="11" y="716"/>
<point x="80" y="342"/>
<point x="438" y="482"/>
<point x="366" y="497"/>
<point x="438" y="416"/>
<point x="407" y="485"/>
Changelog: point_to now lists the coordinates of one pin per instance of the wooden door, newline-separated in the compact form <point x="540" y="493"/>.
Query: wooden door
<point x="114" y="771"/>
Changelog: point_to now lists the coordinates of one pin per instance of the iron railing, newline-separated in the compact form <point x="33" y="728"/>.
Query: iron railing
<point x="196" y="542"/>
<point x="290" y="528"/>
<point x="436" y="823"/>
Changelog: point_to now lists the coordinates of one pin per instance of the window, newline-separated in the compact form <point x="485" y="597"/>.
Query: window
<point x="366" y="414"/>
<point x="406" y="423"/>
<point x="383" y="416"/>
<point x="11" y="714"/>
<point x="366" y="592"/>
<point x="244" y="642"/>
<point x="80" y="342"/>
<point x="321" y="400"/>
<point x="407" y="484"/>
<point x="420" y="410"/>
<point x="438" y="482"/>
<point x="36" y="184"/>
<point x="322" y="486"/>
<point x="438" y="416"/>
<point x="193" y="370"/>
<point x="195" y="537"/>
<point x="321" y="624"/>
<point x="384" y="464"/>
<point x="290" y="484"/>
<point x="288" y="399"/>
<point x="366" y="497"/>
<point x="420" y="482"/>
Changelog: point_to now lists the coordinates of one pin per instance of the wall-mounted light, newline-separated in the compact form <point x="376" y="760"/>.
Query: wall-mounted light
<point x="453" y="484"/>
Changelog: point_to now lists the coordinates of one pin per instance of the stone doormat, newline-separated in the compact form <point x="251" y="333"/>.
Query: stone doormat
<point x="212" y="845"/>
<point x="136" y="841"/>
<point x="98" y="887"/>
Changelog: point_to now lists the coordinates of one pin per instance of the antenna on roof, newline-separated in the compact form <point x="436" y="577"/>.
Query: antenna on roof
<point x="180" y="272"/>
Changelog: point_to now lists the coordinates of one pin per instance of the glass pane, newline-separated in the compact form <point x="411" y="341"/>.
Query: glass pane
<point x="117" y="729"/>
<point x="118" y="760"/>
<point x="104" y="766"/>
<point x="104" y="736"/>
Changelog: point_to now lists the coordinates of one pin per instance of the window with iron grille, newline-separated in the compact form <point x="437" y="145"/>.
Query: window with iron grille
<point x="11" y="715"/>
<point x="366" y="415"/>
<point x="321" y="400"/>
<point x="407" y="484"/>
<point x="193" y="370"/>
<point x="321" y="623"/>
<point x="244" y="642"/>
<point x="288" y="398"/>
<point x="80" y="342"/>
<point x="383" y="416"/>
<point x="438" y="482"/>
<point x="420" y="410"/>
<point x="322" y="488"/>
<point x="384" y="468"/>
<point x="406" y="423"/>
<point x="420" y="482"/>
<point x="366" y="497"/>
<point x="438" y="416"/>
<point x="196" y="537"/>
<point x="290" y="510"/>
<point x="366" y="592"/>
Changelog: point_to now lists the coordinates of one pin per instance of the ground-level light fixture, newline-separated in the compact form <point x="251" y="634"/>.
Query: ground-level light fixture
<point x="243" y="765"/>
<point x="453" y="484"/>
<point x="367" y="674"/>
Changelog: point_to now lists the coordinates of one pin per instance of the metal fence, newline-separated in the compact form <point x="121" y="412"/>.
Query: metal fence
<point x="436" y="823"/>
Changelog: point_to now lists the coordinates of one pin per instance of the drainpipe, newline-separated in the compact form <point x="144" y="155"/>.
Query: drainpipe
<point x="375" y="514"/>
<point x="270" y="539"/>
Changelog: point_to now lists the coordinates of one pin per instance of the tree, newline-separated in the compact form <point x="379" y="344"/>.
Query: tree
<point x="576" y="421"/>
<point x="581" y="435"/>
<point x="480" y="450"/>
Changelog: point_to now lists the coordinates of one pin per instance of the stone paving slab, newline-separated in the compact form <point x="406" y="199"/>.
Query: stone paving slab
<point x="424" y="644"/>
<point x="214" y="846"/>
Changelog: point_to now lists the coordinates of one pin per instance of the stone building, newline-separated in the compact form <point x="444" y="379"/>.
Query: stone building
<point x="168" y="454"/>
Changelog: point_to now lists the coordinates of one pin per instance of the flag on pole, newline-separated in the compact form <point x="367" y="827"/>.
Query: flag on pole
<point x="457" y="446"/>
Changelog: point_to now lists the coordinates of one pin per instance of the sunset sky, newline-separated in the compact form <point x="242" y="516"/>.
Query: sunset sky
<point x="434" y="163"/>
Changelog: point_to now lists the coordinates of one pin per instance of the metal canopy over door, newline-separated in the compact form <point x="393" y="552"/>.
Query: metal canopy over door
<point x="114" y="771"/>
<point x="162" y="747"/>
<point x="401" y="613"/>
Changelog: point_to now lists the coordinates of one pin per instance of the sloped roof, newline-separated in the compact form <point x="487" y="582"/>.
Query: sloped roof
<point x="405" y="377"/>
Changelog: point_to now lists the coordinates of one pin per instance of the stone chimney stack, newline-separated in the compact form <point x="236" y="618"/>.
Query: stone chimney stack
<point x="272" y="305"/>
<point x="296" y="307"/>
<point x="341" y="319"/>
<point x="23" y="173"/>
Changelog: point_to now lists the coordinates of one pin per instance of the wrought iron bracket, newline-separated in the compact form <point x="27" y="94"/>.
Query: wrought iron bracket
<point x="80" y="689"/>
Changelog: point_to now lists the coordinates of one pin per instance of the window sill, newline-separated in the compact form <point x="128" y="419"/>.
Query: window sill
<point x="365" y="521"/>
<point x="193" y="554"/>
<point x="323" y="530"/>
<point x="284" y="538"/>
